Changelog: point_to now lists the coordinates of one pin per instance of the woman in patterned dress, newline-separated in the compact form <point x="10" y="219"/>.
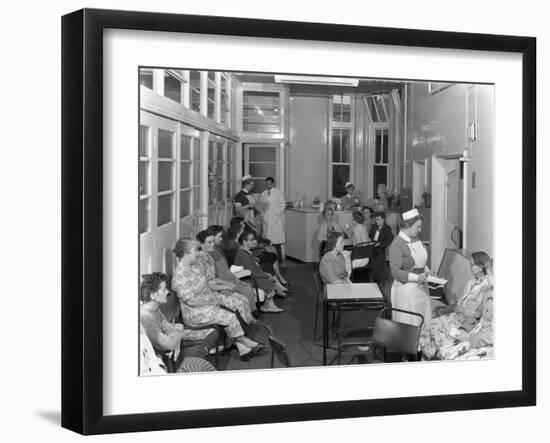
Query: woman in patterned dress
<point x="200" y="305"/>
<point x="225" y="289"/>
<point x="464" y="314"/>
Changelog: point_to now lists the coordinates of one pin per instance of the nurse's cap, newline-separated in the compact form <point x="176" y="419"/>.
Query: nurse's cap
<point x="246" y="177"/>
<point x="410" y="214"/>
<point x="348" y="184"/>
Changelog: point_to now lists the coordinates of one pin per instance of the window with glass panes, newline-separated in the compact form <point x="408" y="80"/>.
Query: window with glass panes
<point x="189" y="175"/>
<point x="174" y="84"/>
<point x="195" y="90"/>
<point x="381" y="158"/>
<point x="225" y="96"/>
<point x="144" y="179"/>
<point x="341" y="157"/>
<point x="229" y="170"/>
<point x="166" y="189"/>
<point x="211" y="98"/>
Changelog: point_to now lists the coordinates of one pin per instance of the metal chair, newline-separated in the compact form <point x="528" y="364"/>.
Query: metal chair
<point x="319" y="292"/>
<point x="394" y="336"/>
<point x="277" y="347"/>
<point x="358" y="336"/>
<point x="172" y="311"/>
<point x="362" y="251"/>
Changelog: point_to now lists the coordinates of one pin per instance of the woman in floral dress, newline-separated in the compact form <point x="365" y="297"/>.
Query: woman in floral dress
<point x="464" y="314"/>
<point x="200" y="305"/>
<point x="226" y="290"/>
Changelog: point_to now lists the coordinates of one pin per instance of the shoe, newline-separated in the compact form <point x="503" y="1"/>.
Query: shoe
<point x="286" y="285"/>
<point x="258" y="348"/>
<point x="247" y="356"/>
<point x="273" y="310"/>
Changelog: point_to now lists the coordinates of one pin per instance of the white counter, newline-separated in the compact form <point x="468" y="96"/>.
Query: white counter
<point x="302" y="225"/>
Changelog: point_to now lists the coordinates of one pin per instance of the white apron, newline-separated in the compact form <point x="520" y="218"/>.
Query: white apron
<point x="411" y="296"/>
<point x="273" y="217"/>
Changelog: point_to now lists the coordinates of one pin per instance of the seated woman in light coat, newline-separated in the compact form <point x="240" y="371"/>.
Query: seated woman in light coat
<point x="334" y="266"/>
<point x="465" y="314"/>
<point x="327" y="226"/>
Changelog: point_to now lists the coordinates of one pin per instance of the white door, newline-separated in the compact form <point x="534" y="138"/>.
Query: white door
<point x="158" y="192"/>
<point x="447" y="207"/>
<point x="453" y="203"/>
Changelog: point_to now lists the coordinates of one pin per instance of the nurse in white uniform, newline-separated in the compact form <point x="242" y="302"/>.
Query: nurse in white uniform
<point x="408" y="258"/>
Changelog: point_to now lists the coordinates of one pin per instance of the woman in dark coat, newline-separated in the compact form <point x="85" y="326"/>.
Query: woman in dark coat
<point x="381" y="234"/>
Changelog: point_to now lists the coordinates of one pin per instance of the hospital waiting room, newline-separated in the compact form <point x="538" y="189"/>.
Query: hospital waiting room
<point x="298" y="221"/>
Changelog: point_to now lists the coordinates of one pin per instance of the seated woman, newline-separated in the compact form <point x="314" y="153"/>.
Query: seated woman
<point x="163" y="335"/>
<point x="357" y="232"/>
<point x="368" y="215"/>
<point x="263" y="251"/>
<point x="265" y="281"/>
<point x="231" y="297"/>
<point x="333" y="267"/>
<point x="222" y="267"/>
<point x="464" y="314"/>
<point x="327" y="226"/>
<point x="201" y="306"/>
<point x="232" y="245"/>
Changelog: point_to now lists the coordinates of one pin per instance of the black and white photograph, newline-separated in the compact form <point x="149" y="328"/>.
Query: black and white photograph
<point x="309" y="220"/>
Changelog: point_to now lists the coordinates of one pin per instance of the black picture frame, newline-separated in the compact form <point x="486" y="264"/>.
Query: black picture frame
<point x="82" y="215"/>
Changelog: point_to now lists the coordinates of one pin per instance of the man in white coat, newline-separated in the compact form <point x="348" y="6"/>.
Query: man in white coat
<point x="273" y="215"/>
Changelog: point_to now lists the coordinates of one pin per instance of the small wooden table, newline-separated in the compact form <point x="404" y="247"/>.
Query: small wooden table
<point x="361" y="293"/>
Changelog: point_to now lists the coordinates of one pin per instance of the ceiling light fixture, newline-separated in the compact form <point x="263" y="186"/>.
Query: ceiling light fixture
<point x="323" y="81"/>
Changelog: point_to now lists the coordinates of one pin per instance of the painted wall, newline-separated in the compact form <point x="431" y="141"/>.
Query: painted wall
<point x="438" y="124"/>
<point x="481" y="204"/>
<point x="308" y="148"/>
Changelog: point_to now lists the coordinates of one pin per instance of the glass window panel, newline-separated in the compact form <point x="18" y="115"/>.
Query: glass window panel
<point x="229" y="155"/>
<point x="385" y="140"/>
<point x="346" y="113"/>
<point x="219" y="151"/>
<point x="211" y="150"/>
<point x="165" y="178"/>
<point x="146" y="79"/>
<point x="185" y="146"/>
<point x="380" y="108"/>
<point x="196" y="199"/>
<point x="336" y="146"/>
<point x="211" y="192"/>
<point x="165" y="144"/>
<point x="196" y="173"/>
<point x="261" y="127"/>
<point x="220" y="195"/>
<point x="380" y="176"/>
<point x="346" y="146"/>
<point x="185" y="174"/>
<point x="172" y="87"/>
<point x="195" y="83"/>
<point x="143" y="216"/>
<point x="372" y="109"/>
<point x="337" y="108"/>
<point x="185" y="203"/>
<point x="165" y="212"/>
<point x="340" y="175"/>
<point x="229" y="170"/>
<point x="229" y="190"/>
<point x="378" y="147"/>
<point x="211" y="109"/>
<point x="262" y="169"/>
<point x="143" y="141"/>
<point x="262" y="154"/>
<point x="143" y="177"/>
<point x="196" y="150"/>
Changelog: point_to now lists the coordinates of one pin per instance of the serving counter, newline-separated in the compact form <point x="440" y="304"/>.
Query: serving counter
<point x="302" y="226"/>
